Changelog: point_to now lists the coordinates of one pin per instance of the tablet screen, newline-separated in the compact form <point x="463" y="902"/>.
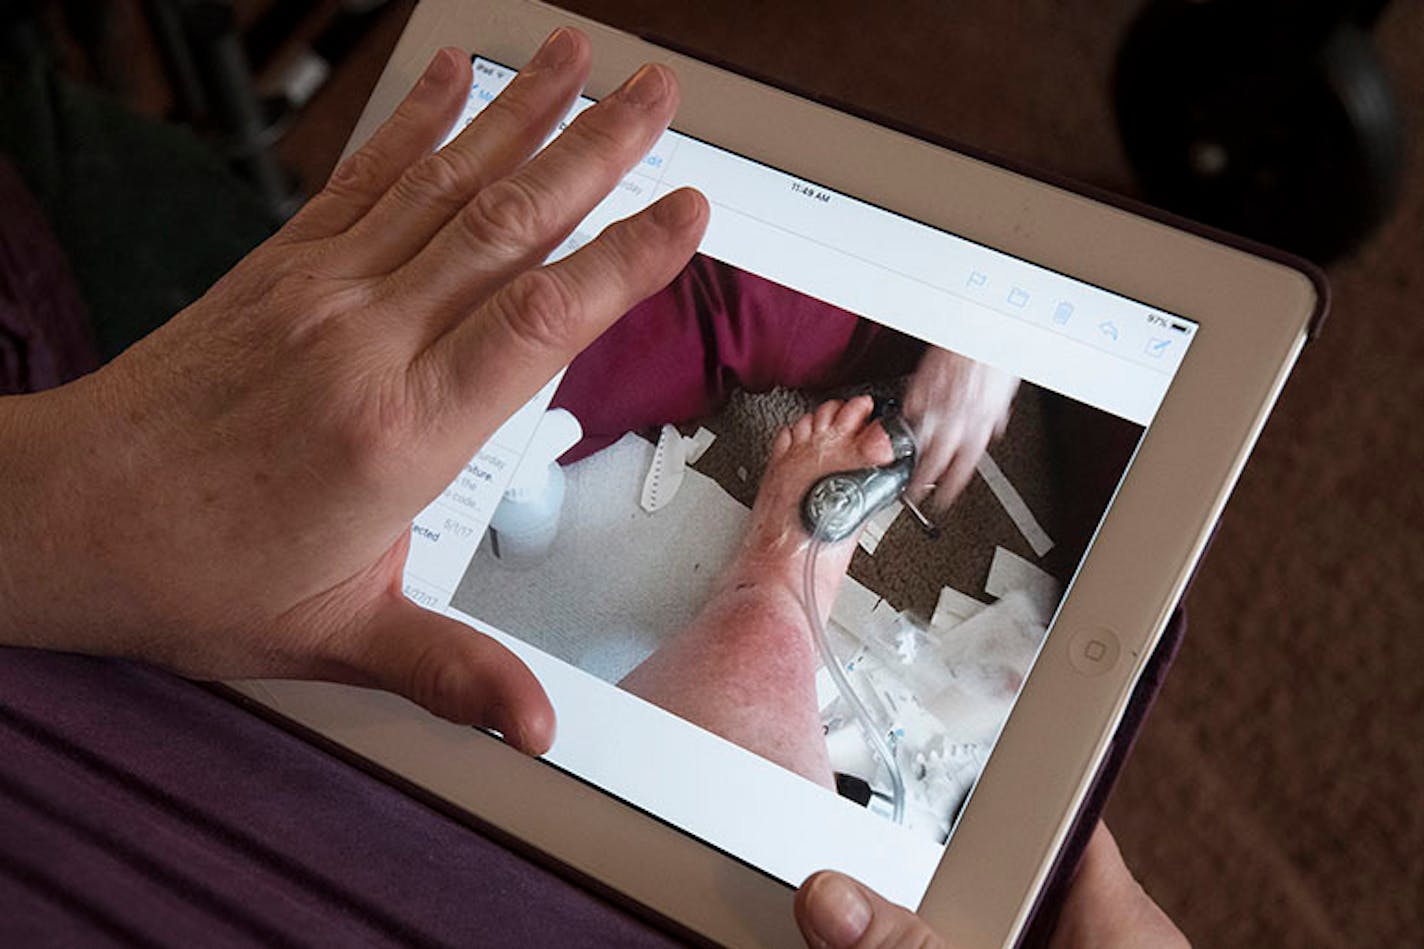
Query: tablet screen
<point x="783" y="544"/>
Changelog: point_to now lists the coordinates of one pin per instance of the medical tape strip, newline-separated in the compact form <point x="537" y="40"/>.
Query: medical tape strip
<point x="953" y="608"/>
<point x="1014" y="505"/>
<point x="1008" y="572"/>
<point x="666" y="472"/>
<point x="697" y="444"/>
<point x="878" y="524"/>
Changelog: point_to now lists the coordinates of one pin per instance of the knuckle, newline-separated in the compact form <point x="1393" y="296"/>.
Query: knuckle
<point x="601" y="139"/>
<point x="372" y="436"/>
<point x="435" y="681"/>
<point x="510" y="108"/>
<point x="311" y="305"/>
<point x="627" y="244"/>
<point x="627" y="255"/>
<point x="508" y="214"/>
<point x="540" y="310"/>
<point x="437" y="176"/>
<point x="359" y="175"/>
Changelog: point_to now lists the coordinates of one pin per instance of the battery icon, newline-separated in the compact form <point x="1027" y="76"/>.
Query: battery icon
<point x="1179" y="327"/>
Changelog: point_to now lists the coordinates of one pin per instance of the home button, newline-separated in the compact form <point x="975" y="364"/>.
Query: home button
<point x="1094" y="651"/>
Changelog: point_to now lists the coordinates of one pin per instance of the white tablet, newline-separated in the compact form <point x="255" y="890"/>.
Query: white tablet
<point x="641" y="533"/>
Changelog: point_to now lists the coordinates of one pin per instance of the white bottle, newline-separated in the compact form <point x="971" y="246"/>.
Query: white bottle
<point x="525" y="523"/>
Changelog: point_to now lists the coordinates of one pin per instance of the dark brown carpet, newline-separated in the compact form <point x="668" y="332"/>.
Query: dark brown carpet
<point x="1277" y="795"/>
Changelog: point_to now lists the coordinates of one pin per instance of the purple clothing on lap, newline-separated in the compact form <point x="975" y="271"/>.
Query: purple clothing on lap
<point x="137" y="808"/>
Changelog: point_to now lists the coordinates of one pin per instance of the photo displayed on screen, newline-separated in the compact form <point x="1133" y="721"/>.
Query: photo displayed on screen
<point x="667" y="549"/>
<point x="783" y="544"/>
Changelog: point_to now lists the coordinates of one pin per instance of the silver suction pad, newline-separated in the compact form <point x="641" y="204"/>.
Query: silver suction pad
<point x="834" y="507"/>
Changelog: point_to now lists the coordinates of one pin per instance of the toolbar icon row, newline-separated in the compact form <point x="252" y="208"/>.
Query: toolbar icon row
<point x="1063" y="311"/>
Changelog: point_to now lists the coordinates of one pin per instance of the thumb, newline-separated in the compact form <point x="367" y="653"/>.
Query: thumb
<point x="835" y="912"/>
<point x="455" y="672"/>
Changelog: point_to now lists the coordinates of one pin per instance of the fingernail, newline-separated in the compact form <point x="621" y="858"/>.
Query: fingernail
<point x="558" y="50"/>
<point x="441" y="68"/>
<point x="838" y="911"/>
<point x="678" y="210"/>
<point x="647" y="87"/>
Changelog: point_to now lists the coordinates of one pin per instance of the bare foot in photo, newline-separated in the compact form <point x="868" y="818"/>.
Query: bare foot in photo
<point x="835" y="437"/>
<point x="745" y="668"/>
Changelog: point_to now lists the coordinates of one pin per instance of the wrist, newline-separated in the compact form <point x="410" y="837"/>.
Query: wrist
<point x="23" y="508"/>
<point x="47" y="559"/>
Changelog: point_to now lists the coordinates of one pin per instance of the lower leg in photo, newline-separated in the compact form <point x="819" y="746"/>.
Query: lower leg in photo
<point x="745" y="667"/>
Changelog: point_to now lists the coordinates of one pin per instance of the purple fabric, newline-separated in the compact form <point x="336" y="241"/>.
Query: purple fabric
<point x="45" y="338"/>
<point x="137" y="808"/>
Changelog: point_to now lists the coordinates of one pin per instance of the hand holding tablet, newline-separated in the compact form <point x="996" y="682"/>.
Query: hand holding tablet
<point x="995" y="663"/>
<point x="829" y="269"/>
<point x="1105" y="909"/>
<point x="387" y="208"/>
<point x="400" y="342"/>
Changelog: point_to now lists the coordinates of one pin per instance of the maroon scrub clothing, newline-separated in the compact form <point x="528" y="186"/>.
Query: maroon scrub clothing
<point x="680" y="354"/>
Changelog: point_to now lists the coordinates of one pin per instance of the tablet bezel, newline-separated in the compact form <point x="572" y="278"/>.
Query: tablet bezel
<point x="1061" y="725"/>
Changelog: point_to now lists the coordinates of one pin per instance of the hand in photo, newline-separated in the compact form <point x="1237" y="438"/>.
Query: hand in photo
<point x="956" y="407"/>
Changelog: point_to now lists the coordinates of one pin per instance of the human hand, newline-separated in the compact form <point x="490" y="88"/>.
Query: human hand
<point x="955" y="406"/>
<point x="232" y="497"/>
<point x="1105" y="909"/>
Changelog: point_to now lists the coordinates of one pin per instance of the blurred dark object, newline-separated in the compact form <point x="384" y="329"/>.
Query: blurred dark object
<point x="145" y="213"/>
<point x="237" y="73"/>
<point x="1269" y="118"/>
<point x="45" y="337"/>
<point x="208" y="69"/>
<point x="99" y="121"/>
<point x="204" y="65"/>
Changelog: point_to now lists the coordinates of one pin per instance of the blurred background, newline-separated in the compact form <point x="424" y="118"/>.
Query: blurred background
<point x="1276" y="796"/>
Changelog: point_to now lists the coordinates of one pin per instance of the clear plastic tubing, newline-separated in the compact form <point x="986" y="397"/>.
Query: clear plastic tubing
<point x="878" y="742"/>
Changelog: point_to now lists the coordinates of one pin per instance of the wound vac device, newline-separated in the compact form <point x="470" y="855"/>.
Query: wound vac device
<point x="832" y="510"/>
<point x="840" y="502"/>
